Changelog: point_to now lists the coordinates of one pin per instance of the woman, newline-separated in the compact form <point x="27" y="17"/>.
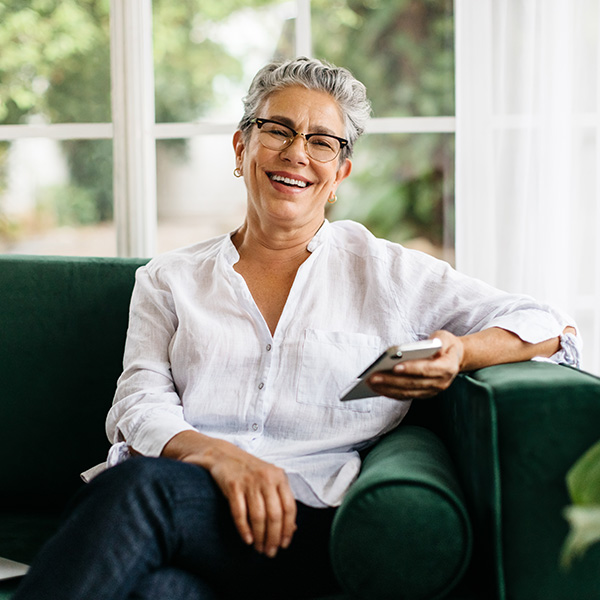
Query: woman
<point x="237" y="353"/>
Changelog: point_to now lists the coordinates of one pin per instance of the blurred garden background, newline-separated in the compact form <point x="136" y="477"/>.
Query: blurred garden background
<point x="56" y="194"/>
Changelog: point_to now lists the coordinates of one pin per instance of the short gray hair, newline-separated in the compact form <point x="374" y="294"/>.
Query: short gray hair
<point x="313" y="74"/>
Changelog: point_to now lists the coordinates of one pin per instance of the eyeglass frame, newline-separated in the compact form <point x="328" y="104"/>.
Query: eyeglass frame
<point x="259" y="122"/>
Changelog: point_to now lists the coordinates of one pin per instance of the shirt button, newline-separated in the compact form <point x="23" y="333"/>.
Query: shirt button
<point x="268" y="347"/>
<point x="261" y="386"/>
<point x="254" y="426"/>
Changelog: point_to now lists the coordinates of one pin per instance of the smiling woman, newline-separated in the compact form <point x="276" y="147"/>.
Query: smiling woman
<point x="274" y="202"/>
<point x="238" y="351"/>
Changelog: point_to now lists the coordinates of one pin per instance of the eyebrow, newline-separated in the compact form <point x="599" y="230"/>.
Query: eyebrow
<point x="318" y="129"/>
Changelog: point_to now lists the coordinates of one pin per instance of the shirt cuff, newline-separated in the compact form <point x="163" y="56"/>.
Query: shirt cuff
<point x="532" y="326"/>
<point x="154" y="434"/>
<point x="569" y="352"/>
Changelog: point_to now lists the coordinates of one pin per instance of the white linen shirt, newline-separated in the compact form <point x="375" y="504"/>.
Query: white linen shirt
<point x="199" y="355"/>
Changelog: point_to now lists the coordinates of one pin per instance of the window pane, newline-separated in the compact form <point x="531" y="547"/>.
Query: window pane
<point x="402" y="188"/>
<point x="54" y="62"/>
<point x="403" y="51"/>
<point x="56" y="197"/>
<point x="206" y="53"/>
<point x="198" y="196"/>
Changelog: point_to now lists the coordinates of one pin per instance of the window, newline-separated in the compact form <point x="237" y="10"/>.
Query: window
<point x="55" y="110"/>
<point x="183" y="103"/>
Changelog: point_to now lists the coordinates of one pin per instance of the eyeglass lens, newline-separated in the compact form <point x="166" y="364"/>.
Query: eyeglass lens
<point x="320" y="147"/>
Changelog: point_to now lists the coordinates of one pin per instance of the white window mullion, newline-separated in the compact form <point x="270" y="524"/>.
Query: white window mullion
<point x="134" y="148"/>
<point x="303" y="29"/>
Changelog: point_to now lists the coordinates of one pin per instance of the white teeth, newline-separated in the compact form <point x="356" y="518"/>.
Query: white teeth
<point x="289" y="181"/>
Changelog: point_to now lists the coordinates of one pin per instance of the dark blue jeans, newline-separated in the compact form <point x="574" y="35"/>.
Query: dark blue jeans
<point x="154" y="528"/>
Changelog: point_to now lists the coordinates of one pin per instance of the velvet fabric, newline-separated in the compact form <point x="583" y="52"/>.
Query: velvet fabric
<point x="403" y="532"/>
<point x="63" y="323"/>
<point x="514" y="431"/>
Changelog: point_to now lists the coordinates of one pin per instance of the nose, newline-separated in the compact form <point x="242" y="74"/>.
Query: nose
<point x="296" y="151"/>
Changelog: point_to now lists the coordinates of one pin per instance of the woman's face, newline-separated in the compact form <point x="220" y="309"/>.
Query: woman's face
<point x="270" y="198"/>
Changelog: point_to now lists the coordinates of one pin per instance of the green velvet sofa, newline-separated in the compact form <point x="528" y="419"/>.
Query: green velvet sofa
<point x="463" y="501"/>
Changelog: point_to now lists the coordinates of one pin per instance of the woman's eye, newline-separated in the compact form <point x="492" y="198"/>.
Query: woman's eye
<point x="279" y="132"/>
<point x="322" y="142"/>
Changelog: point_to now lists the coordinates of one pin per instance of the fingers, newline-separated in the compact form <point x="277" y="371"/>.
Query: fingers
<point x="263" y="508"/>
<point x="275" y="522"/>
<point x="421" y="378"/>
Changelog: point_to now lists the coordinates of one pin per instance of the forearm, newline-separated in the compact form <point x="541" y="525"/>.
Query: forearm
<point x="498" y="346"/>
<point x="197" y="448"/>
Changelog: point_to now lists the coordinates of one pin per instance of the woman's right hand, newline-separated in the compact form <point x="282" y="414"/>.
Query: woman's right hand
<point x="259" y="495"/>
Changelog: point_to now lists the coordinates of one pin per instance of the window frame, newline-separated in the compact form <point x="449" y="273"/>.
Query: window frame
<point x="134" y="131"/>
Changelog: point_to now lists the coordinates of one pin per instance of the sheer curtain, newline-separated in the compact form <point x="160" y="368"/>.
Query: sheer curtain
<point x="528" y="152"/>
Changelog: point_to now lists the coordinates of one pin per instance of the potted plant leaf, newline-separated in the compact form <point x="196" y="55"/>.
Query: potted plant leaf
<point x="583" y="484"/>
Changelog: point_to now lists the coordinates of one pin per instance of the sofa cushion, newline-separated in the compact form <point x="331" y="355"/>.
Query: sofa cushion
<point x="403" y="532"/>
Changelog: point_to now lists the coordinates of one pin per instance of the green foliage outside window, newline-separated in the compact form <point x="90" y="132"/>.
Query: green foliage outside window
<point x="403" y="52"/>
<point x="55" y="65"/>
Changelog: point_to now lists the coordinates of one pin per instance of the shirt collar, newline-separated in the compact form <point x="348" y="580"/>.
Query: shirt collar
<point x="232" y="256"/>
<point x="319" y="237"/>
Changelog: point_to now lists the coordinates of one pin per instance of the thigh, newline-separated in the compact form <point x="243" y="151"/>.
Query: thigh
<point x="170" y="582"/>
<point x="236" y="570"/>
<point x="199" y="537"/>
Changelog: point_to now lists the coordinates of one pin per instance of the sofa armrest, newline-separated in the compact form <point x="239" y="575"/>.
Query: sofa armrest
<point x="402" y="531"/>
<point x="513" y="432"/>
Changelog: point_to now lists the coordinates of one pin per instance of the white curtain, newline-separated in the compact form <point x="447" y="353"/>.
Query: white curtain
<point x="528" y="152"/>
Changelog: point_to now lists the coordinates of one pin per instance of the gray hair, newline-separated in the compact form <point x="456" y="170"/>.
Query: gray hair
<point x="313" y="74"/>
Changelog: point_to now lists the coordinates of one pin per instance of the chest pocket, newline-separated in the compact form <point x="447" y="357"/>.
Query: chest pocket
<point x="331" y="361"/>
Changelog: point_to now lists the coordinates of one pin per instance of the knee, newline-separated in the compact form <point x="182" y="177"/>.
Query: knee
<point x="162" y="479"/>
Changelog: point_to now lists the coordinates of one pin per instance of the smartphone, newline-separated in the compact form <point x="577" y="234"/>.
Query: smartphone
<point x="392" y="356"/>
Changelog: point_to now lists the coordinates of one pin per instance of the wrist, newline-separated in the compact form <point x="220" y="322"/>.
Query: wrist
<point x="192" y="447"/>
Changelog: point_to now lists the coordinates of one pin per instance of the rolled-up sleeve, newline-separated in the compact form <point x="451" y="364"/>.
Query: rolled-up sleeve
<point x="446" y="299"/>
<point x="147" y="411"/>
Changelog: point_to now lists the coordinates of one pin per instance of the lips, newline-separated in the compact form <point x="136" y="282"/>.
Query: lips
<point x="289" y="180"/>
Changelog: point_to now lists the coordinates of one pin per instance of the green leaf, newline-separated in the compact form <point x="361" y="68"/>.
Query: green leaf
<point x="583" y="479"/>
<point x="584" y="524"/>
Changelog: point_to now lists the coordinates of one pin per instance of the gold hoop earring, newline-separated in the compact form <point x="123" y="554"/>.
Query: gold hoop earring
<point x="237" y="172"/>
<point x="332" y="199"/>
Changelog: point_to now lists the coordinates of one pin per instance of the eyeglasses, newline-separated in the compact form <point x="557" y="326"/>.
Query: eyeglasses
<point x="319" y="146"/>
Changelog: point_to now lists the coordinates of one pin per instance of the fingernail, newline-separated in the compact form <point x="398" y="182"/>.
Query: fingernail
<point x="286" y="542"/>
<point x="376" y="379"/>
<point x="271" y="552"/>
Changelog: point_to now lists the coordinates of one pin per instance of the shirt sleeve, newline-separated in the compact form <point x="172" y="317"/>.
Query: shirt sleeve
<point x="147" y="411"/>
<point x="439" y="297"/>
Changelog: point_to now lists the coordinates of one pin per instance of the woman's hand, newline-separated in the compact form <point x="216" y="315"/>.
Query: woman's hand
<point x="262" y="504"/>
<point x="422" y="378"/>
<point x="428" y="377"/>
<point x="259" y="495"/>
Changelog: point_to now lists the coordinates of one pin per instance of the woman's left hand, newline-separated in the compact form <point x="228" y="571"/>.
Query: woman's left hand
<point x="422" y="378"/>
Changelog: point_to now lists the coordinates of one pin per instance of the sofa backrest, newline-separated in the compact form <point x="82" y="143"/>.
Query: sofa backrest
<point x="63" y="323"/>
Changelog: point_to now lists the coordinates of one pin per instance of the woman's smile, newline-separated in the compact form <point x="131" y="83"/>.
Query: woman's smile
<point x="288" y="183"/>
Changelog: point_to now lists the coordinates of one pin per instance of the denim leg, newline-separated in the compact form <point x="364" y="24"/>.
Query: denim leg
<point x="151" y="513"/>
<point x="120" y="529"/>
<point x="172" y="583"/>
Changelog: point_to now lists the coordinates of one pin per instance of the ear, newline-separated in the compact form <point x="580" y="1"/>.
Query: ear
<point x="239" y="147"/>
<point x="343" y="171"/>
